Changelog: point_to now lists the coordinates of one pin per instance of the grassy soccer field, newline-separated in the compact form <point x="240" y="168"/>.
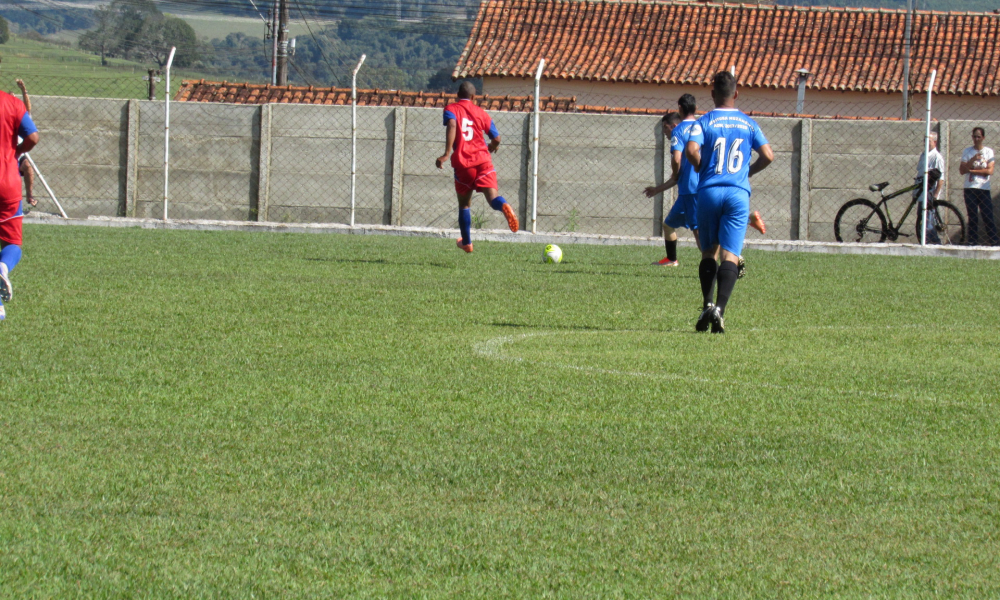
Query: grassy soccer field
<point x="214" y="414"/>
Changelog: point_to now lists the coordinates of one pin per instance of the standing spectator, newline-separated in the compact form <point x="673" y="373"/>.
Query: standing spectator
<point x="931" y="167"/>
<point x="14" y="122"/>
<point x="977" y="166"/>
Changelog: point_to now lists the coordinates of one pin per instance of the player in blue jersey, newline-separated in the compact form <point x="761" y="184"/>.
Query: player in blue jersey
<point x="719" y="147"/>
<point x="676" y="126"/>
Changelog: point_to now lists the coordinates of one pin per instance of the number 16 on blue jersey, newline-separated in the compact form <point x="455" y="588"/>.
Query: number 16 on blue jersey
<point x="726" y="137"/>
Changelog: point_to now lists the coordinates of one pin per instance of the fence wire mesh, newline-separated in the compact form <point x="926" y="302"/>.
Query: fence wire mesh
<point x="592" y="170"/>
<point x="292" y="163"/>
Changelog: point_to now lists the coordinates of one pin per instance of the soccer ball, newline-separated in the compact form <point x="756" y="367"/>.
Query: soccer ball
<point x="552" y="254"/>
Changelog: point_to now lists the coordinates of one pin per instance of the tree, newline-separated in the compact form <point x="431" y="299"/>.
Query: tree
<point x="441" y="81"/>
<point x="103" y="39"/>
<point x="4" y="31"/>
<point x="160" y="33"/>
<point x="137" y="29"/>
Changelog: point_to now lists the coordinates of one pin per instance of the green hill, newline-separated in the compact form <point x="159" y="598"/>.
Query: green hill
<point x="57" y="70"/>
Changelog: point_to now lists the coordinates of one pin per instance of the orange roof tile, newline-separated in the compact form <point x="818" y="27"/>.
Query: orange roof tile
<point x="255" y="93"/>
<point x="845" y="49"/>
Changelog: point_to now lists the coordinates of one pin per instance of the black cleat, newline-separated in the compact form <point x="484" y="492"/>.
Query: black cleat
<point x="718" y="325"/>
<point x="705" y="319"/>
<point x="741" y="268"/>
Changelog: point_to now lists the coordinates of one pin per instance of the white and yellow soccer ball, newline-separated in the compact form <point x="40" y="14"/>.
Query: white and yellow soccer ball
<point x="552" y="254"/>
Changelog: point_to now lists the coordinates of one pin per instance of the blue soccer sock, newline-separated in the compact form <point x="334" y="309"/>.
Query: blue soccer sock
<point x="465" y="224"/>
<point x="10" y="256"/>
<point x="497" y="203"/>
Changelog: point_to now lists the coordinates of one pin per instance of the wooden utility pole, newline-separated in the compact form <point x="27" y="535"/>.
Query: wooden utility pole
<point x="152" y="84"/>
<point x="273" y="34"/>
<point x="152" y="78"/>
<point x="282" y="73"/>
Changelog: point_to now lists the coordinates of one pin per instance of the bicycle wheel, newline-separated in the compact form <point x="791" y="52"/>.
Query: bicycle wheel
<point x="949" y="225"/>
<point x="859" y="220"/>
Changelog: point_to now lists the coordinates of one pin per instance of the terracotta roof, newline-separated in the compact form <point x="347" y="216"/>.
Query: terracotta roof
<point x="255" y="93"/>
<point x="846" y="49"/>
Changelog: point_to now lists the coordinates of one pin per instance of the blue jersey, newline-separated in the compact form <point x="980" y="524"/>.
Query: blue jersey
<point x="687" y="182"/>
<point x="726" y="136"/>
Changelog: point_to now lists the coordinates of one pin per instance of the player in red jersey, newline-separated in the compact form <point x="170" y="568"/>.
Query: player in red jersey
<point x="470" y="157"/>
<point x="14" y="122"/>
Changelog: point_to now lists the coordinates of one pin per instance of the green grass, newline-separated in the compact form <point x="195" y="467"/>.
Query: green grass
<point x="54" y="70"/>
<point x="208" y="414"/>
<point x="209" y="26"/>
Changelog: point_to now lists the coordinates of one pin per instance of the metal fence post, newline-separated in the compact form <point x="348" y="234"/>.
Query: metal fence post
<point x="927" y="149"/>
<point x="354" y="132"/>
<point x="534" y="148"/>
<point x="166" y="137"/>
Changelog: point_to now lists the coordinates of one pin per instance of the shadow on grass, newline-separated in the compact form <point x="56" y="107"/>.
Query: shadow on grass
<point x="548" y="327"/>
<point x="382" y="261"/>
<point x="654" y="273"/>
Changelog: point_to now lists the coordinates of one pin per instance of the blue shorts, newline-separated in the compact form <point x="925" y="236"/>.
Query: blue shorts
<point x="684" y="213"/>
<point x="723" y="215"/>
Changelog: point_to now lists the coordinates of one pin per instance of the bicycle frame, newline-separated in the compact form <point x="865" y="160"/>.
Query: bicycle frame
<point x="884" y="205"/>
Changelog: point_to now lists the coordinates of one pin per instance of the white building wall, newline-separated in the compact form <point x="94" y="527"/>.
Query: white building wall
<point x="752" y="99"/>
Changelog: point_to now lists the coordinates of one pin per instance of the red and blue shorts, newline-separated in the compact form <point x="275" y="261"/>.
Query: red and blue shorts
<point x="478" y="177"/>
<point x="10" y="222"/>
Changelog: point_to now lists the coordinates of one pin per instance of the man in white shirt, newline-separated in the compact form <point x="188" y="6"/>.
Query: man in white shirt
<point x="977" y="167"/>
<point x="933" y="169"/>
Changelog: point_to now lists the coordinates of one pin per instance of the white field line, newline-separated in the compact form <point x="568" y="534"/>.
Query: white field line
<point x="493" y="349"/>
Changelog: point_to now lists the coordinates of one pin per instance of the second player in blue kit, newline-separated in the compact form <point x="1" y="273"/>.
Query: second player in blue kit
<point x="719" y="148"/>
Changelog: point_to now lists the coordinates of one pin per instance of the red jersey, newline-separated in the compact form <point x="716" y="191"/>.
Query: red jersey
<point x="470" y="148"/>
<point x="11" y="113"/>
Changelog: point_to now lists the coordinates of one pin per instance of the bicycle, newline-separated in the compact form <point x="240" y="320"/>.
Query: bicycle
<point x="861" y="220"/>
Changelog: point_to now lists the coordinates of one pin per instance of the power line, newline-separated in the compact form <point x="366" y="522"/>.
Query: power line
<point x="299" y="71"/>
<point x="938" y="50"/>
<point x="333" y="70"/>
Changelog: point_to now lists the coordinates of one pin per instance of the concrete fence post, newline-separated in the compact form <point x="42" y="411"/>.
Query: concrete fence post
<point x="131" y="160"/>
<point x="661" y="166"/>
<point x="800" y="217"/>
<point x="264" y="163"/>
<point x="532" y="187"/>
<point x="398" y="147"/>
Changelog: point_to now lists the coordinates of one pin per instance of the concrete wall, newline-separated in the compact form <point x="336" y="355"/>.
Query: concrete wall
<point x="310" y="164"/>
<point x="848" y="156"/>
<point x="214" y="151"/>
<point x="595" y="170"/>
<point x="83" y="154"/>
<point x="292" y="163"/>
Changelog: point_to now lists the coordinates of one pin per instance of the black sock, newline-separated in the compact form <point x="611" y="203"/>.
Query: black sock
<point x="728" y="274"/>
<point x="671" y="249"/>
<point x="706" y="272"/>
